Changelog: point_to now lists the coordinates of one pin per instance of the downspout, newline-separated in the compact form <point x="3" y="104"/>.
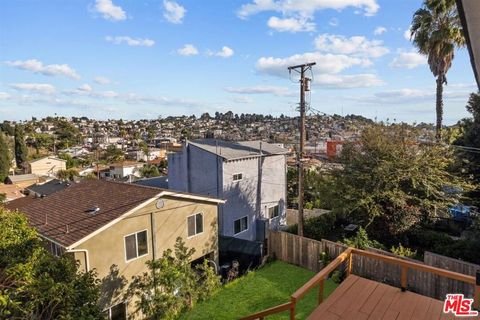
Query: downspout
<point x="85" y="252"/>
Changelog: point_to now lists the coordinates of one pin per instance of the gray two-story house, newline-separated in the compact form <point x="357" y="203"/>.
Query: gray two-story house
<point x="249" y="175"/>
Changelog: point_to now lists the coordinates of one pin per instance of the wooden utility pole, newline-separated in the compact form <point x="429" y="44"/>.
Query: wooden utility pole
<point x="304" y="86"/>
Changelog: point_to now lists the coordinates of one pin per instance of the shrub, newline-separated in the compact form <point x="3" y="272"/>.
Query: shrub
<point x="318" y="227"/>
<point x="362" y="241"/>
<point x="403" y="251"/>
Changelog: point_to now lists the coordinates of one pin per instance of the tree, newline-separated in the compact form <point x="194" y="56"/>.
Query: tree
<point x="68" y="135"/>
<point x="36" y="285"/>
<point x="21" y="152"/>
<point x="171" y="285"/>
<point x="436" y="31"/>
<point x="389" y="182"/>
<point x="149" y="171"/>
<point x="4" y="157"/>
<point x="114" y="155"/>
<point x="470" y="138"/>
<point x="67" y="175"/>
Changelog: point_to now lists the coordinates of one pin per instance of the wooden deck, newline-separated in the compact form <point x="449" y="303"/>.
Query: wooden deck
<point x="359" y="299"/>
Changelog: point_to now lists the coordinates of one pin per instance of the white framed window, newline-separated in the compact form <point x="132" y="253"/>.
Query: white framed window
<point x="136" y="245"/>
<point x="117" y="312"/>
<point x="237" y="176"/>
<point x="240" y="225"/>
<point x="195" y="224"/>
<point x="273" y="212"/>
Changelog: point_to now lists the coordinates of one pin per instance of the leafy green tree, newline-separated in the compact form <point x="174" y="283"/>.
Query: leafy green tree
<point x="437" y="31"/>
<point x="171" y="285"/>
<point x="149" y="171"/>
<point x="67" y="175"/>
<point x="21" y="151"/>
<point x="389" y="182"/>
<point x="113" y="154"/>
<point x="470" y="140"/>
<point x="67" y="134"/>
<point x="4" y="157"/>
<point x="7" y="128"/>
<point x="36" y="285"/>
<point x="42" y="141"/>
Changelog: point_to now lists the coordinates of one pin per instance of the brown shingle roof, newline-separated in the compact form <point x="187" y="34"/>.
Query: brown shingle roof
<point x="71" y="207"/>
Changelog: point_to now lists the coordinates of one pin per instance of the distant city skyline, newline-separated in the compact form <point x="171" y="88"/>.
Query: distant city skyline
<point x="141" y="59"/>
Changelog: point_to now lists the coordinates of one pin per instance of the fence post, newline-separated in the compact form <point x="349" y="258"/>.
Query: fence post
<point x="320" y="291"/>
<point x="403" y="279"/>
<point x="292" y="308"/>
<point x="476" y="294"/>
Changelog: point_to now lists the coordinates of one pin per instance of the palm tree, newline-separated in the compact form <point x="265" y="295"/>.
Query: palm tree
<point x="436" y="31"/>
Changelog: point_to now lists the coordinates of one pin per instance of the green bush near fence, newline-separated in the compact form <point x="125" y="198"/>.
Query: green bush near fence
<point x="317" y="228"/>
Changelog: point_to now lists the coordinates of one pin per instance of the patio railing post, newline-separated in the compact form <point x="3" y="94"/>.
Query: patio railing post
<point x="403" y="280"/>
<point x="292" y="308"/>
<point x="320" y="291"/>
<point x="349" y="263"/>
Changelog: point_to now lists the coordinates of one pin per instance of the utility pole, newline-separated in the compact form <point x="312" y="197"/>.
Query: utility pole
<point x="304" y="86"/>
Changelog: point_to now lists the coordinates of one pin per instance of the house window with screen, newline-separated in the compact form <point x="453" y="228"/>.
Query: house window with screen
<point x="273" y="212"/>
<point x="240" y="225"/>
<point x="237" y="177"/>
<point x="117" y="312"/>
<point x="195" y="224"/>
<point x="136" y="245"/>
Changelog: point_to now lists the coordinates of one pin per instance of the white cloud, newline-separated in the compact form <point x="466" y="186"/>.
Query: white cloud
<point x="174" y="12"/>
<point x="43" y="88"/>
<point x="407" y="33"/>
<point x="410" y="96"/>
<point x="101" y="80"/>
<point x="362" y="80"/>
<point x="134" y="42"/>
<point x="188" y="50"/>
<point x="242" y="99"/>
<point x="4" y="96"/>
<point x="109" y="10"/>
<point x="326" y="63"/>
<point x="85" y="88"/>
<point x="379" y="30"/>
<point x="290" y="24"/>
<point x="356" y="45"/>
<point x="326" y="72"/>
<point x="87" y="91"/>
<point x="275" y="90"/>
<point x="408" y="60"/>
<point x="305" y="8"/>
<point x="35" y="66"/>
<point x="226" y="52"/>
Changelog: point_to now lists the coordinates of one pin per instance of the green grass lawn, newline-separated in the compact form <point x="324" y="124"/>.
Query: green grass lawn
<point x="261" y="289"/>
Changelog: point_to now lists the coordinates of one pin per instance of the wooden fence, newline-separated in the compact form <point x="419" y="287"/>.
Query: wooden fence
<point x="307" y="253"/>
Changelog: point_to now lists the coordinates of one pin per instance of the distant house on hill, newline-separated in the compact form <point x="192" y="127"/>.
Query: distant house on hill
<point x="105" y="224"/>
<point x="250" y="175"/>
<point x="47" y="166"/>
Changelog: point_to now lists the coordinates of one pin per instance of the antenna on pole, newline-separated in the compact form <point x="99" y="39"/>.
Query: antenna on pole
<point x="304" y="86"/>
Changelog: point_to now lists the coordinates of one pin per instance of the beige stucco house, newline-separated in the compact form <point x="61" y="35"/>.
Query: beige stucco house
<point x="47" y="166"/>
<point x="114" y="228"/>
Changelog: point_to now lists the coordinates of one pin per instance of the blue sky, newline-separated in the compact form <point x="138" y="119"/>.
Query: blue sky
<point x="136" y="59"/>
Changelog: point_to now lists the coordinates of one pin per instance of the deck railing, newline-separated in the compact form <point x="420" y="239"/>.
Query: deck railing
<point x="347" y="256"/>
